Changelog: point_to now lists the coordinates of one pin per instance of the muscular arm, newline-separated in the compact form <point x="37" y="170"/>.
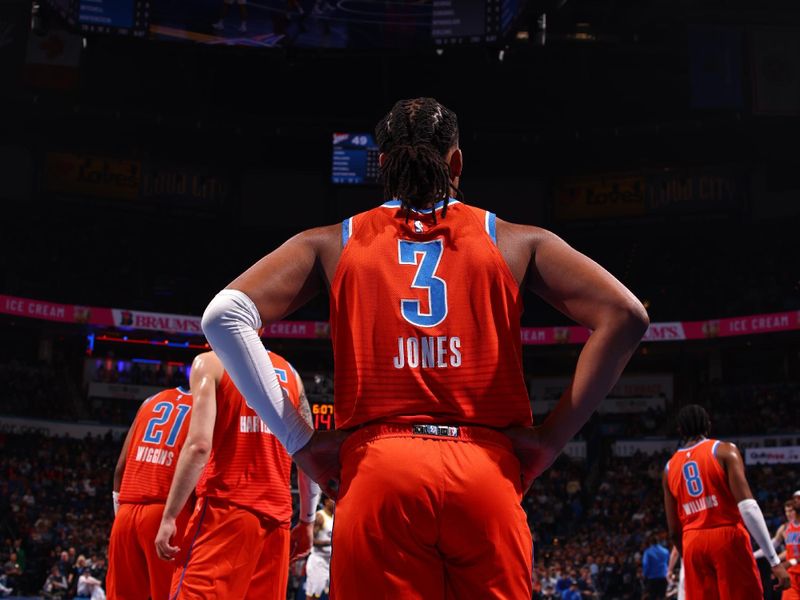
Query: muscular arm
<point x="119" y="470"/>
<point x="674" y="555"/>
<point x="673" y="521"/>
<point x="309" y="491"/>
<point x="730" y="459"/>
<point x="291" y="275"/>
<point x="591" y="296"/>
<point x="273" y="287"/>
<point x="206" y="374"/>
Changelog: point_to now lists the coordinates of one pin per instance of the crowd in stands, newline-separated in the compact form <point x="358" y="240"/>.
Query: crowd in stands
<point x="760" y="409"/>
<point x="27" y="391"/>
<point x="55" y="501"/>
<point x="134" y="373"/>
<point x="590" y="525"/>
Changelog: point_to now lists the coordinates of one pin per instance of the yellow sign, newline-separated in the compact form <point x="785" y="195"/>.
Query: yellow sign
<point x="600" y="197"/>
<point x="85" y="175"/>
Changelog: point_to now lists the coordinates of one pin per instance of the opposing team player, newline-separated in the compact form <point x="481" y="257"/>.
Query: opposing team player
<point x="238" y="540"/>
<point x="792" y="541"/>
<point x="426" y="297"/>
<point x="142" y="478"/>
<point x="318" y="566"/>
<point x="709" y="510"/>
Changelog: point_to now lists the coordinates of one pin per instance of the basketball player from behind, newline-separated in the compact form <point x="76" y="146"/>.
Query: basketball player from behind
<point x="318" y="566"/>
<point x="779" y="539"/>
<point x="710" y="510"/>
<point x="792" y="541"/>
<point x="426" y="298"/>
<point x="237" y="541"/>
<point x="142" y="478"/>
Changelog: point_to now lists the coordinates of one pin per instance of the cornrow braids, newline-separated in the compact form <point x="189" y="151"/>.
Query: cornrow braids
<point x="693" y="421"/>
<point x="414" y="137"/>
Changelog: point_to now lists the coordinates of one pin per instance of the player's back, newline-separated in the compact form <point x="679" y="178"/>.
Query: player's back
<point x="425" y="321"/>
<point x="700" y="486"/>
<point x="248" y="467"/>
<point x="159" y="432"/>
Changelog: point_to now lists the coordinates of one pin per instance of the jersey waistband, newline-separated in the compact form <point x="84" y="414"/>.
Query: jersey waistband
<point x="443" y="433"/>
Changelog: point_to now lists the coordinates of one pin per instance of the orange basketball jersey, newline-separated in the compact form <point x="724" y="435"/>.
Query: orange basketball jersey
<point x="425" y="321"/>
<point x="700" y="486"/>
<point x="159" y="432"/>
<point x="793" y="544"/>
<point x="248" y="467"/>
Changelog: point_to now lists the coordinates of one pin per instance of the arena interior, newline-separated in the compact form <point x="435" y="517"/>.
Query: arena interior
<point x="149" y="157"/>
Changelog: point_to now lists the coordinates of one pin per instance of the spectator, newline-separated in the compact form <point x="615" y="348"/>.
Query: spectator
<point x="654" y="569"/>
<point x="90" y="587"/>
<point x="55" y="586"/>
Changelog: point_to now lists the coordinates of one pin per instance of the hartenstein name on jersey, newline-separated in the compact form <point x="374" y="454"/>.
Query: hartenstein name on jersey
<point x="701" y="504"/>
<point x="252" y="424"/>
<point x="155" y="456"/>
<point x="428" y="352"/>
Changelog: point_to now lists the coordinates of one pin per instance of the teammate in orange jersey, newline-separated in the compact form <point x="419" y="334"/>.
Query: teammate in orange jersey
<point x="142" y="478"/>
<point x="238" y="540"/>
<point x="779" y="539"/>
<point x="709" y="510"/>
<point x="426" y="298"/>
<point x="792" y="540"/>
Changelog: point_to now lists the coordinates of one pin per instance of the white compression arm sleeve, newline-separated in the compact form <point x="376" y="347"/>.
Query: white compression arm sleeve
<point x="231" y="323"/>
<point x="776" y="543"/>
<point x="754" y="521"/>
<point x="309" y="496"/>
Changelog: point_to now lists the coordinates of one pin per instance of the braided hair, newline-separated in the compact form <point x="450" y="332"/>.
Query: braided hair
<point x="414" y="137"/>
<point x="693" y="422"/>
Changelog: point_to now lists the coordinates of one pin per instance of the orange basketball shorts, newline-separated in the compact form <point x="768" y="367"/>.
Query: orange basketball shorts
<point x="424" y="516"/>
<point x="720" y="565"/>
<point x="233" y="554"/>
<point x="793" y="593"/>
<point x="134" y="570"/>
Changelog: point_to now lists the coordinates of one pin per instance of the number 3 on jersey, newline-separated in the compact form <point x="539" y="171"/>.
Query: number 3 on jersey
<point x="691" y="474"/>
<point x="426" y="255"/>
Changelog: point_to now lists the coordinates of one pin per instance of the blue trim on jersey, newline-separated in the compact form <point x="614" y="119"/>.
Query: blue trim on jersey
<point x="347" y="231"/>
<point x="183" y="390"/>
<point x="191" y="546"/>
<point x="424" y="211"/>
<point x="703" y="441"/>
<point x="491" y="226"/>
<point x="714" y="449"/>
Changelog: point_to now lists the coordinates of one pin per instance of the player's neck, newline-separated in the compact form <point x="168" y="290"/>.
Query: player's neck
<point x="694" y="441"/>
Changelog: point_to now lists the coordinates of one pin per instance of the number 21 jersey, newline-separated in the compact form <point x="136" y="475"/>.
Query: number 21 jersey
<point x="159" y="432"/>
<point x="425" y="321"/>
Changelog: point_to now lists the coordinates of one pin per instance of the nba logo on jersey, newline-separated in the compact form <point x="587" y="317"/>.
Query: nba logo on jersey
<point x="418" y="227"/>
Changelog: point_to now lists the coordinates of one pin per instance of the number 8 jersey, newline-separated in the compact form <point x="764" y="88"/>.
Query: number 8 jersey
<point x="700" y="486"/>
<point x="425" y="321"/>
<point x="159" y="432"/>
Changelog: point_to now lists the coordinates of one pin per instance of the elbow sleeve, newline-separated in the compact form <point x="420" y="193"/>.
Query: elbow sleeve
<point x="230" y="323"/>
<point x="754" y="521"/>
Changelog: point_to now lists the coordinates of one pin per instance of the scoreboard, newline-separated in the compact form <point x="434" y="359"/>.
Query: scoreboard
<point x="120" y="17"/>
<point x="355" y="159"/>
<point x="322" y="413"/>
<point x="460" y="21"/>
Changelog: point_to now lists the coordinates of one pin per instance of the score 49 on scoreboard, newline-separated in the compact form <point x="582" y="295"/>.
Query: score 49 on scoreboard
<point x="355" y="159"/>
<point x="322" y="413"/>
